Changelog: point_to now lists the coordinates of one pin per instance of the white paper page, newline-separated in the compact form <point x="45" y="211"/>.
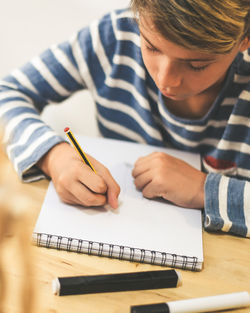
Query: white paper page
<point x="111" y="151"/>
<point x="138" y="222"/>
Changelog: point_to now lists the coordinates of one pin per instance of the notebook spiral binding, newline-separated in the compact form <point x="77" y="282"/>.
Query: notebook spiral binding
<point x="115" y="251"/>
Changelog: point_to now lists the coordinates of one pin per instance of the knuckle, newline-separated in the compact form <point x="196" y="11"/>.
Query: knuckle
<point x="160" y="155"/>
<point x="62" y="181"/>
<point x="100" y="186"/>
<point x="106" y="171"/>
<point x="158" y="181"/>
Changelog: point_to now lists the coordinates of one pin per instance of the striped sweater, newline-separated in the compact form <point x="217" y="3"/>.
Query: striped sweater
<point x="105" y="58"/>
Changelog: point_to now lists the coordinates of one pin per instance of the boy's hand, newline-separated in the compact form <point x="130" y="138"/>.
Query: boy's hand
<point x="161" y="175"/>
<point x="75" y="182"/>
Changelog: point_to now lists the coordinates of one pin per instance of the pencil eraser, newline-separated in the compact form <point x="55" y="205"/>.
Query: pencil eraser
<point x="66" y="129"/>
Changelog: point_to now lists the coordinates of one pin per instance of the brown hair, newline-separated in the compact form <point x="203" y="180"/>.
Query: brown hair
<point x="214" y="26"/>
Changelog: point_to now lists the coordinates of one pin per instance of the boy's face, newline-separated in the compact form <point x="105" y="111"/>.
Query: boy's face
<point x="179" y="73"/>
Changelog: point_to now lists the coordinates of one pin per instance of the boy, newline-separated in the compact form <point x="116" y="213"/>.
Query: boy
<point x="178" y="76"/>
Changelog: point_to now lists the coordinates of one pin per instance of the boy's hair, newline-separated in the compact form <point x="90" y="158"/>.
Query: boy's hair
<point x="214" y="26"/>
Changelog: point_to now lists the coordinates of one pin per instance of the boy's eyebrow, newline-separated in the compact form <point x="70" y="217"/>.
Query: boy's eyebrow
<point x="181" y="59"/>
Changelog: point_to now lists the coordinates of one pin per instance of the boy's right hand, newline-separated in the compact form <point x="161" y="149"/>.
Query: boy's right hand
<point x="75" y="182"/>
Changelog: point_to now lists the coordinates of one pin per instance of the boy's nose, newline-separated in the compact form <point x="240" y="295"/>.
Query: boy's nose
<point x="169" y="75"/>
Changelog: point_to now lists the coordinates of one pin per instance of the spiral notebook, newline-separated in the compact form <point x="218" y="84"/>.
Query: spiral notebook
<point x="140" y="230"/>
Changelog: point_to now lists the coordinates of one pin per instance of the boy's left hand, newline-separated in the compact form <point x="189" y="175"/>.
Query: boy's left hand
<point x="161" y="175"/>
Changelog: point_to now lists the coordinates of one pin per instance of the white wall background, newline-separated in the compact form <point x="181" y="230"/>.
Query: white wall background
<point x="27" y="27"/>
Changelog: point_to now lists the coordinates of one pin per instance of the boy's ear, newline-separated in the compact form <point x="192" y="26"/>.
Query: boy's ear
<point x="245" y="44"/>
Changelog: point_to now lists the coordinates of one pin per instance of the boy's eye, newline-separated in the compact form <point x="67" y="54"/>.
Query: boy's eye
<point x="198" y="68"/>
<point x="151" y="48"/>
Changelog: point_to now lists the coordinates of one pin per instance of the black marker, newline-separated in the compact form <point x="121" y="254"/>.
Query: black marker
<point x="116" y="282"/>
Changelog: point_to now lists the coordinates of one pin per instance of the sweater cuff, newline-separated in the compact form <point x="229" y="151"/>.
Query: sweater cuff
<point x="28" y="170"/>
<point x="212" y="218"/>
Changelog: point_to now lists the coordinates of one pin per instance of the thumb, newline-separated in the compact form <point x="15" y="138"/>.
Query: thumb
<point x="112" y="196"/>
<point x="113" y="192"/>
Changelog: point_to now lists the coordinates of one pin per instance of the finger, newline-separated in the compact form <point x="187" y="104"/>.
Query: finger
<point x="92" y="180"/>
<point x="139" y="170"/>
<point x="141" y="167"/>
<point x="149" y="191"/>
<point x="112" y="197"/>
<point x="113" y="193"/>
<point x="143" y="164"/>
<point x="154" y="158"/>
<point x="67" y="197"/>
<point x="87" y="197"/>
<point x="148" y="157"/>
<point x="113" y="190"/>
<point x="142" y="180"/>
<point x="74" y="192"/>
<point x="141" y="160"/>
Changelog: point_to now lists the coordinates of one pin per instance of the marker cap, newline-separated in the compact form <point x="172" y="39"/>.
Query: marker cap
<point x="150" y="308"/>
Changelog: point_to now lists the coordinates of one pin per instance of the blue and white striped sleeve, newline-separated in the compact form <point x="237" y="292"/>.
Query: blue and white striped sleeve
<point x="51" y="77"/>
<point x="227" y="205"/>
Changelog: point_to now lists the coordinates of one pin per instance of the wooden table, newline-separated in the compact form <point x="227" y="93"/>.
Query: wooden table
<point x="226" y="267"/>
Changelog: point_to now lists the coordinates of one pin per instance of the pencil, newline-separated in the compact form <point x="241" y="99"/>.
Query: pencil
<point x="78" y="148"/>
